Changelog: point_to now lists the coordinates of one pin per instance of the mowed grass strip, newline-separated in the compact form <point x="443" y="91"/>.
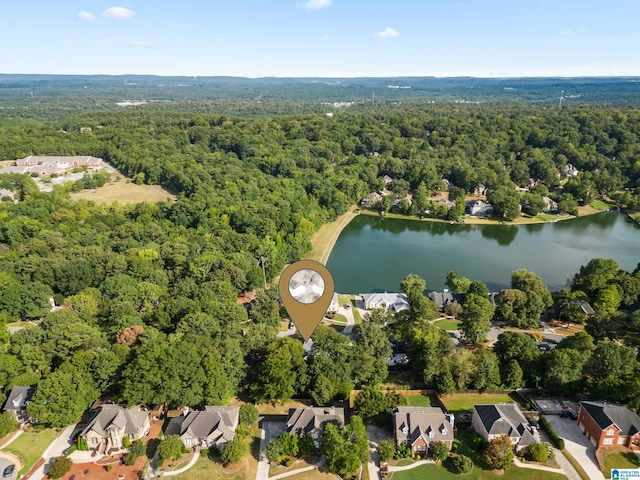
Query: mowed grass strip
<point x="421" y="401"/>
<point x="123" y="192"/>
<point x="448" y="324"/>
<point x="464" y="402"/>
<point x="30" y="446"/>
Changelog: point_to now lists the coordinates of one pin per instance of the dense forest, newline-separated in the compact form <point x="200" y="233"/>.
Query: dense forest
<point x="148" y="291"/>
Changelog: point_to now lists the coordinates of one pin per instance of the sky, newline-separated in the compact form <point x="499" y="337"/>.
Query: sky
<point x="321" y="38"/>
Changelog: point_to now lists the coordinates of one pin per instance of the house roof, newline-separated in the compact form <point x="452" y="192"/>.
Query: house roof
<point x="18" y="398"/>
<point x="218" y="423"/>
<point x="587" y="308"/>
<point x="109" y="416"/>
<point x="398" y="301"/>
<point x="304" y="420"/>
<point x="441" y="298"/>
<point x="505" y="419"/>
<point x="429" y="423"/>
<point x="606" y="414"/>
<point x="50" y="161"/>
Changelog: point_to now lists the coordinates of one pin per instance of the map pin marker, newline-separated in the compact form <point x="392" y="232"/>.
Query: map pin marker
<point x="306" y="289"/>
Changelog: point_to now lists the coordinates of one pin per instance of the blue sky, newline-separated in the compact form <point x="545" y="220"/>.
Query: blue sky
<point x="329" y="38"/>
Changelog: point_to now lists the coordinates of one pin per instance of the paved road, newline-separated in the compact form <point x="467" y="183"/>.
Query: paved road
<point x="577" y="445"/>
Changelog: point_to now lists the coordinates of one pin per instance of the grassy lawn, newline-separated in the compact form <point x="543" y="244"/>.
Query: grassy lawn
<point x="322" y="473"/>
<point x="123" y="192"/>
<point x="626" y="459"/>
<point x="340" y="320"/>
<point x="401" y="381"/>
<point x="31" y="445"/>
<point x="600" y="204"/>
<point x="465" y="401"/>
<point x="441" y="473"/>
<point x="325" y="238"/>
<point x="448" y="324"/>
<point x="275" y="469"/>
<point x="357" y="318"/>
<point x="421" y="401"/>
<point x="344" y="299"/>
<point x="279" y="408"/>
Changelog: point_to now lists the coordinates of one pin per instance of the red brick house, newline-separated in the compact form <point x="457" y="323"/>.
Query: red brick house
<point x="607" y="425"/>
<point x="419" y="427"/>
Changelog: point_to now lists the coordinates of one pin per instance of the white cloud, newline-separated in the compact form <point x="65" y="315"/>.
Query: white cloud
<point x="387" y="33"/>
<point x="119" y="13"/>
<point x="315" y="4"/>
<point x="86" y="16"/>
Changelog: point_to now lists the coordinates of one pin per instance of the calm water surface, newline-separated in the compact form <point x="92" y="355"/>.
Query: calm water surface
<point x="375" y="254"/>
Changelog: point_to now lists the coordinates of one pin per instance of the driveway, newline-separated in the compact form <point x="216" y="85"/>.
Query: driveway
<point x="269" y="430"/>
<point x="375" y="434"/>
<point x="55" y="449"/>
<point x="577" y="445"/>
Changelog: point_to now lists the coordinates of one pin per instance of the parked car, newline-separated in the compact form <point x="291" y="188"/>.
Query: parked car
<point x="545" y="347"/>
<point x="347" y="306"/>
<point x="534" y="423"/>
<point x="7" y="472"/>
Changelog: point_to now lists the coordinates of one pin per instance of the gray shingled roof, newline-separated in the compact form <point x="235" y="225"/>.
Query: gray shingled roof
<point x="303" y="420"/>
<point x="18" y="398"/>
<point x="505" y="419"/>
<point x="129" y="420"/>
<point x="217" y="422"/>
<point x="605" y="415"/>
<point x="413" y="422"/>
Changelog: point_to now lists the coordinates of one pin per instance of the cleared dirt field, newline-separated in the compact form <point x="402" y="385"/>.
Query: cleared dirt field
<point x="123" y="192"/>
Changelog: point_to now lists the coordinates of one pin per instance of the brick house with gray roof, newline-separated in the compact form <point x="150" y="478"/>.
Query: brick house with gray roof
<point x="493" y="421"/>
<point x="608" y="425"/>
<point x="419" y="427"/>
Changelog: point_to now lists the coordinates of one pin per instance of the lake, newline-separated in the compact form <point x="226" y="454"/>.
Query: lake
<point x="375" y="254"/>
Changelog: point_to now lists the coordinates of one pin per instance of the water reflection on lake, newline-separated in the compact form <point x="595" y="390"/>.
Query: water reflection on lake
<point x="375" y="254"/>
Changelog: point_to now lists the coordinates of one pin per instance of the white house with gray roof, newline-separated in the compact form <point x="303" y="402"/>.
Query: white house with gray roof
<point x="110" y="423"/>
<point x="47" y="166"/>
<point x="17" y="402"/>
<point x="395" y="302"/>
<point x="211" y="427"/>
<point x="493" y="421"/>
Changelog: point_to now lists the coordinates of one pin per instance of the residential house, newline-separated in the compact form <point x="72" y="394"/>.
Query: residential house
<point x="373" y="200"/>
<point x="606" y="425"/>
<point x="447" y="203"/>
<point x="493" y="421"/>
<point x="447" y="184"/>
<point x="549" y="205"/>
<point x="479" y="208"/>
<point x="398" y="200"/>
<point x="17" y="402"/>
<point x="6" y="193"/>
<point x="420" y="427"/>
<point x="571" y="171"/>
<point x="480" y="190"/>
<point x="587" y="309"/>
<point x="48" y="166"/>
<point x="441" y="298"/>
<point x="333" y="305"/>
<point x="312" y="420"/>
<point x="110" y="423"/>
<point x="211" y="427"/>
<point x="395" y="302"/>
<point x="387" y="181"/>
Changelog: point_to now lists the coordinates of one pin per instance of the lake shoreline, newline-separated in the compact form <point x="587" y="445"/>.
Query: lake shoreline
<point x="327" y="235"/>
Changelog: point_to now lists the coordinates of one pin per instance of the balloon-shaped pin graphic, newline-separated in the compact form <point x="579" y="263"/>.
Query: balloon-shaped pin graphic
<point x="306" y="289"/>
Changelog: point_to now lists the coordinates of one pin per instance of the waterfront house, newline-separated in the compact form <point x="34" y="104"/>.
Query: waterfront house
<point x="395" y="302"/>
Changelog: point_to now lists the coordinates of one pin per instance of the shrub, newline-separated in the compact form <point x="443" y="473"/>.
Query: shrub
<point x="439" y="451"/>
<point x="461" y="463"/>
<point x="234" y="451"/>
<point x="126" y="442"/>
<point x="553" y="436"/>
<point x="538" y="452"/>
<point x="248" y="414"/>
<point x="138" y="448"/>
<point x="8" y="424"/>
<point x="108" y="467"/>
<point x="306" y="446"/>
<point x="129" y="458"/>
<point x="289" y="463"/>
<point x="386" y="449"/>
<point x="83" y="446"/>
<point x="60" y="467"/>
<point x="171" y="447"/>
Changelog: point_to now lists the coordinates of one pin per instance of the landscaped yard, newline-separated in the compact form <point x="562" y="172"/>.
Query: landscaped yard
<point x="357" y="318"/>
<point x="421" y="401"/>
<point x="276" y="469"/>
<point x="31" y="445"/>
<point x="464" y="402"/>
<point x="279" y="408"/>
<point x="448" y="324"/>
<point x="619" y="459"/>
<point x="124" y="192"/>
